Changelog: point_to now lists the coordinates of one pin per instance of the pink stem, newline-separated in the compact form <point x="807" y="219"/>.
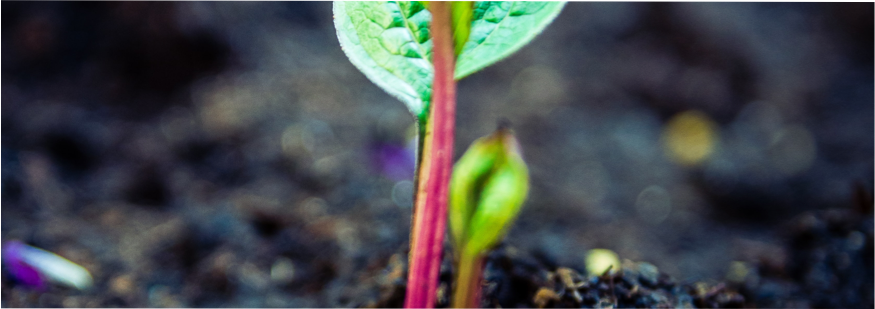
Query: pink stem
<point x="430" y="211"/>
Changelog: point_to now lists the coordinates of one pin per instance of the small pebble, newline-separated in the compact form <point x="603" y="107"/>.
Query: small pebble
<point x="121" y="285"/>
<point x="648" y="273"/>
<point x="599" y="260"/>
<point x="282" y="271"/>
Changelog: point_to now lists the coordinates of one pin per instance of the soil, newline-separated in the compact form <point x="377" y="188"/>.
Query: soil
<point x="829" y="265"/>
<point x="229" y="155"/>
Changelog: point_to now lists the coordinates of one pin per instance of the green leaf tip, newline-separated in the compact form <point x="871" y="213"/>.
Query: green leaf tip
<point x="487" y="190"/>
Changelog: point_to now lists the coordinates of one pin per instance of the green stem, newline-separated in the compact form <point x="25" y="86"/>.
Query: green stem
<point x="467" y="291"/>
<point x="430" y="209"/>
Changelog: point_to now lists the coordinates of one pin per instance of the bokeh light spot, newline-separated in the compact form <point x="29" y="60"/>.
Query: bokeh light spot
<point x="690" y="137"/>
<point x="792" y="150"/>
<point x="653" y="204"/>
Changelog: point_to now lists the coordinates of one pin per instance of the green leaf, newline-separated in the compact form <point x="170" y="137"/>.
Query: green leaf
<point x="389" y="42"/>
<point x="500" y="28"/>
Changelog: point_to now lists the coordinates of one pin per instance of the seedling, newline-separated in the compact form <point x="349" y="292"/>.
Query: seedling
<point x="416" y="52"/>
<point x="489" y="184"/>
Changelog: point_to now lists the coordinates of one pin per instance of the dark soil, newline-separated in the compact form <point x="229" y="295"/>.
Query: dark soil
<point x="829" y="264"/>
<point x="229" y="155"/>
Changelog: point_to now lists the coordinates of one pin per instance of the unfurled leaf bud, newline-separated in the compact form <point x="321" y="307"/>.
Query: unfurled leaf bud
<point x="487" y="190"/>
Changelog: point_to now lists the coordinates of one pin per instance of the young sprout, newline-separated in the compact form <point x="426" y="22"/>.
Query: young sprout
<point x="487" y="190"/>
<point x="417" y="51"/>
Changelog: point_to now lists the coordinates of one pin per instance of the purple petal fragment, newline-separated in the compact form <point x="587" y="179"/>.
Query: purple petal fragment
<point x="23" y="273"/>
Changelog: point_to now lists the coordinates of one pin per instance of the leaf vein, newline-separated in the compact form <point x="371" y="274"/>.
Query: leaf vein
<point x="497" y="26"/>
<point x="413" y="35"/>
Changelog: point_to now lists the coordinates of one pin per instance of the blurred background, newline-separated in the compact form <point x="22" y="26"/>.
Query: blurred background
<point x="229" y="155"/>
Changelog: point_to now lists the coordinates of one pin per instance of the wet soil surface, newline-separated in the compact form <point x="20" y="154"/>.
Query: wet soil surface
<point x="229" y="155"/>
